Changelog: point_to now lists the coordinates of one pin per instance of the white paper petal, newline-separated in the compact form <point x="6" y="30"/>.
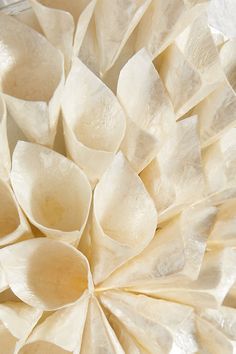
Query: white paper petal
<point x="82" y="26"/>
<point x="98" y="335"/>
<point x="217" y="276"/>
<point x="31" y="84"/>
<point x="114" y="29"/>
<point x="163" y="21"/>
<point x="176" y="250"/>
<point x="150" y="115"/>
<point x="88" y="51"/>
<point x="13" y="224"/>
<point x="53" y="192"/>
<point x="16" y="322"/>
<point x="128" y="342"/>
<point x="5" y="160"/>
<point x="216" y="111"/>
<point x="190" y="67"/>
<point x="219" y="161"/>
<point x="221" y="16"/>
<point x="212" y="340"/>
<point x="28" y="17"/>
<point x="58" y="20"/>
<point x="63" y="329"/>
<point x="3" y="280"/>
<point x="124" y="218"/>
<point x="110" y="78"/>
<point x="94" y="121"/>
<point x="159" y="326"/>
<point x="176" y="178"/>
<point x="224" y="230"/>
<point x="223" y="319"/>
<point x="46" y="274"/>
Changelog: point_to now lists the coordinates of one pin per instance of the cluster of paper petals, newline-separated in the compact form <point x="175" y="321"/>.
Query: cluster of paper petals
<point x="117" y="178"/>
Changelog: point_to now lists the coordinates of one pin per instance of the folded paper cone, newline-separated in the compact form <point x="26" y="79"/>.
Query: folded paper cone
<point x="61" y="332"/>
<point x="150" y="115"/>
<point x="64" y="23"/>
<point x="31" y="84"/>
<point x="124" y="218"/>
<point x="16" y="322"/>
<point x="46" y="274"/>
<point x="56" y="184"/>
<point x="94" y="121"/>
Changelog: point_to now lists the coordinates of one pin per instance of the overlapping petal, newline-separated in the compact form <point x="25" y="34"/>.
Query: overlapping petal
<point x="31" y="84"/>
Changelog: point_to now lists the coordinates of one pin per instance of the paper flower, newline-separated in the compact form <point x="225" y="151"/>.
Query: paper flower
<point x="118" y="208"/>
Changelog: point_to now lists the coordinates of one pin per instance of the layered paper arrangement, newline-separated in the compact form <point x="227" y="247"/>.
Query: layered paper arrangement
<point x="118" y="178"/>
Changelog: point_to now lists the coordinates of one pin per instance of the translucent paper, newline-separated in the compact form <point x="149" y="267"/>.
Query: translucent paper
<point x="217" y="276"/>
<point x="98" y="335"/>
<point x="219" y="161"/>
<point x="171" y="253"/>
<point x="150" y="115"/>
<point x="46" y="274"/>
<point x="16" y="322"/>
<point x="94" y="121"/>
<point x="221" y="16"/>
<point x="113" y="30"/>
<point x="64" y="23"/>
<point x="175" y="178"/>
<point x="219" y="325"/>
<point x="191" y="58"/>
<point x="5" y="162"/>
<point x="168" y="326"/>
<point x="163" y="21"/>
<point x="13" y="224"/>
<point x="216" y="111"/>
<point x="223" y="232"/>
<point x="124" y="218"/>
<point x="131" y="247"/>
<point x="61" y="332"/>
<point x="53" y="192"/>
<point x="31" y="84"/>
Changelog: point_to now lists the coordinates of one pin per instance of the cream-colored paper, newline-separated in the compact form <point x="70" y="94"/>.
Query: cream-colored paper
<point x="3" y="280"/>
<point x="212" y="339"/>
<point x="124" y="218"/>
<point x="224" y="230"/>
<point x="175" y="178"/>
<point x="219" y="161"/>
<point x="46" y="274"/>
<point x="216" y="112"/>
<point x="163" y="21"/>
<point x="223" y="319"/>
<point x="98" y="335"/>
<point x="114" y="29"/>
<point x="64" y="23"/>
<point x="53" y="192"/>
<point x="159" y="326"/>
<point x="16" y="322"/>
<point x="128" y="342"/>
<point x="221" y="16"/>
<point x="150" y="115"/>
<point x="190" y="67"/>
<point x="13" y="224"/>
<point x="5" y="159"/>
<point x="177" y="250"/>
<point x="31" y="84"/>
<point x="217" y="276"/>
<point x="94" y="121"/>
<point x="61" y="332"/>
